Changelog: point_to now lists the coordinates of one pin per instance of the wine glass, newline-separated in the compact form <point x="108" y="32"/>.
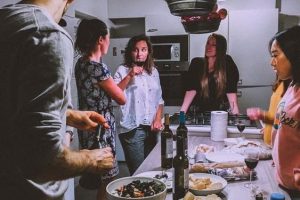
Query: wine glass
<point x="241" y="127"/>
<point x="251" y="160"/>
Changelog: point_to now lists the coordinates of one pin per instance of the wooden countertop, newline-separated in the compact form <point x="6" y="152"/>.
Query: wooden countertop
<point x="233" y="191"/>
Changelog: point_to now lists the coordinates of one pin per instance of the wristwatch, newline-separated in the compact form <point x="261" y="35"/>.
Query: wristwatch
<point x="71" y="133"/>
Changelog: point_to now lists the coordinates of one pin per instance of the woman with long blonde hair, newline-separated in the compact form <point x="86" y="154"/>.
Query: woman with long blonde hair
<point x="212" y="80"/>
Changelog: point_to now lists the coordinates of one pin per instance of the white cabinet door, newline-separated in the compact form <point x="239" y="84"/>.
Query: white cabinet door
<point x="254" y="97"/>
<point x="163" y="25"/>
<point x="136" y="8"/>
<point x="115" y="53"/>
<point x="249" y="34"/>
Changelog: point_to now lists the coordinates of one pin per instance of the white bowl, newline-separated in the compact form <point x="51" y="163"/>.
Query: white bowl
<point x="214" y="179"/>
<point x="112" y="194"/>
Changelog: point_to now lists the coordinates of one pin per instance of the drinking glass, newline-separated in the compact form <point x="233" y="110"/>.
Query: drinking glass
<point x="241" y="127"/>
<point x="251" y="160"/>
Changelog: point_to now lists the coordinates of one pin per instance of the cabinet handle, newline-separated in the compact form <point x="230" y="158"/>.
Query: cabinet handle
<point x="240" y="82"/>
<point x="152" y="30"/>
<point x="239" y="93"/>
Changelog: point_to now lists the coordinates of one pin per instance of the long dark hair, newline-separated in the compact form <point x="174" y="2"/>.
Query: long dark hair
<point x="128" y="61"/>
<point x="219" y="68"/>
<point x="289" y="42"/>
<point x="88" y="33"/>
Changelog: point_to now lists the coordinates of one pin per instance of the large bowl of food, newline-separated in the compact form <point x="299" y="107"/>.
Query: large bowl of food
<point x="142" y="188"/>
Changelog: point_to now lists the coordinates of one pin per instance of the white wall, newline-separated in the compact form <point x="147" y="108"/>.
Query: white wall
<point x="290" y="7"/>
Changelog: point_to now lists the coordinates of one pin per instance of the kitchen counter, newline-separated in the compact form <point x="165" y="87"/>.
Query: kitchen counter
<point x="233" y="191"/>
<point x="204" y="131"/>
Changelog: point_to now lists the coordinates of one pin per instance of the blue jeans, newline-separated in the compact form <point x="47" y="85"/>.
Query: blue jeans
<point x="137" y="144"/>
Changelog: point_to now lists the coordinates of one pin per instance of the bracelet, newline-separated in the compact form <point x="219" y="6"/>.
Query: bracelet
<point x="71" y="133"/>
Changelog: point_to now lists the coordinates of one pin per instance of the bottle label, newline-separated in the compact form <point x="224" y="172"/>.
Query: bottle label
<point x="169" y="148"/>
<point x="186" y="179"/>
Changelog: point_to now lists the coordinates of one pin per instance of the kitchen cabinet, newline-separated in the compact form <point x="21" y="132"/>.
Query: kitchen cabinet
<point x="254" y="96"/>
<point x="136" y="8"/>
<point x="249" y="34"/>
<point x="165" y="24"/>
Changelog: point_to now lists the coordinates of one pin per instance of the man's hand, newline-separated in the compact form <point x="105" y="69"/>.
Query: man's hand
<point x="101" y="159"/>
<point x="85" y="120"/>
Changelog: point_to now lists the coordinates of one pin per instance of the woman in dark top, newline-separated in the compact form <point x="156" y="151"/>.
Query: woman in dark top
<point x="212" y="81"/>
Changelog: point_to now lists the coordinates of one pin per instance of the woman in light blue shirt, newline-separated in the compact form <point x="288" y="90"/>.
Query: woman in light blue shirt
<point x="140" y="119"/>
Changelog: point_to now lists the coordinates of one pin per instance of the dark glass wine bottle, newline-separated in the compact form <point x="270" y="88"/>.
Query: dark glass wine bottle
<point x="181" y="162"/>
<point x="89" y="180"/>
<point x="166" y="145"/>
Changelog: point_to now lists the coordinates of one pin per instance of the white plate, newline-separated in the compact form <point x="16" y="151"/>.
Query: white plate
<point x="213" y="178"/>
<point x="221" y="156"/>
<point x="152" y="174"/>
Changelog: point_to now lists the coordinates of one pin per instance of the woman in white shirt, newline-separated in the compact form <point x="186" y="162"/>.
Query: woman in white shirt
<point x="141" y="115"/>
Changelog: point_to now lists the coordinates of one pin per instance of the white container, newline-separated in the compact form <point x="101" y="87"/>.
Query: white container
<point x="218" y="121"/>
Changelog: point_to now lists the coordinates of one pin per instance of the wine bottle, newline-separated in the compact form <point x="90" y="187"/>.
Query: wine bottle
<point x="181" y="162"/>
<point x="89" y="180"/>
<point x="166" y="145"/>
<point x="182" y="130"/>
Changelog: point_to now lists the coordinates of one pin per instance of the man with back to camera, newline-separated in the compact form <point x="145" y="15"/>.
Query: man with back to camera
<point x="36" y="60"/>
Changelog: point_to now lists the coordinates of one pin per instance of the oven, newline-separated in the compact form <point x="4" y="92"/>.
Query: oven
<point x="171" y="57"/>
<point x="173" y="84"/>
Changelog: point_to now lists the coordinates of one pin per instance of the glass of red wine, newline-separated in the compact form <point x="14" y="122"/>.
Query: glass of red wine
<point x="241" y="127"/>
<point x="251" y="160"/>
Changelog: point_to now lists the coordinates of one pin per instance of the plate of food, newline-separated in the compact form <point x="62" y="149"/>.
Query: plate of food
<point x="166" y="177"/>
<point x="190" y="196"/>
<point x="136" y="188"/>
<point x="206" y="184"/>
<point x="265" y="152"/>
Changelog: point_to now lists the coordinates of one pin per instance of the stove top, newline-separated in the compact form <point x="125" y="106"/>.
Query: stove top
<point x="203" y="119"/>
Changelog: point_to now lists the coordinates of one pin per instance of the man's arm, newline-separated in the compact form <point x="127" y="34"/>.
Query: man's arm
<point x="69" y="163"/>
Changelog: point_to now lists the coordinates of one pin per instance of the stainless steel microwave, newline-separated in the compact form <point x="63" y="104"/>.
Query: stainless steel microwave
<point x="170" y="52"/>
<point x="166" y="52"/>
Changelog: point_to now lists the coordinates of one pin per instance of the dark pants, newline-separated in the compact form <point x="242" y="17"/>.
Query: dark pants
<point x="137" y="144"/>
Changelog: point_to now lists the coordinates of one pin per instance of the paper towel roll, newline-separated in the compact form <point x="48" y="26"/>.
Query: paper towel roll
<point x="218" y="122"/>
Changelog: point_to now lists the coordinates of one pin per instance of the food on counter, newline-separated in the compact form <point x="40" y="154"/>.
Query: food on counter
<point x="204" y="148"/>
<point x="265" y="152"/>
<point x="137" y="189"/>
<point x="190" y="196"/>
<point x="203" y="184"/>
<point x="205" y="167"/>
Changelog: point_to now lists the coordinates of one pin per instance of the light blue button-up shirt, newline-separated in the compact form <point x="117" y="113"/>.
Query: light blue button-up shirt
<point x="143" y="97"/>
